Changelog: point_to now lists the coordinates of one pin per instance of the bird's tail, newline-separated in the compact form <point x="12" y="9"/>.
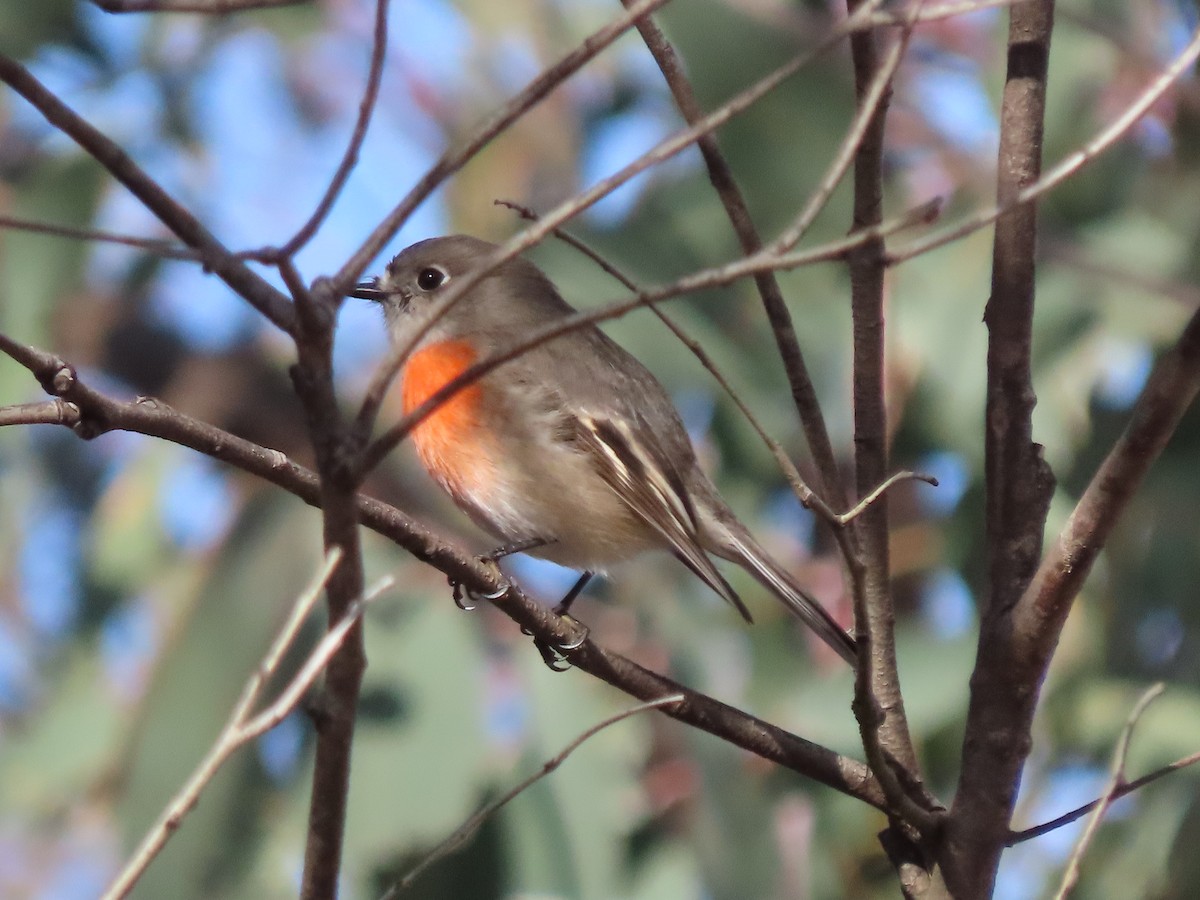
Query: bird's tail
<point x="745" y="551"/>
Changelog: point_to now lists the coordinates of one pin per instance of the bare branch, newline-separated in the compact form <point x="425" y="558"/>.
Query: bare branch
<point x="334" y="447"/>
<point x="800" y="22"/>
<point x="330" y="643"/>
<point x="1169" y="391"/>
<point x="878" y="702"/>
<point x="268" y="301"/>
<point x="467" y="829"/>
<point x="1018" y="639"/>
<point x="933" y="12"/>
<point x="875" y="94"/>
<point x="1018" y="483"/>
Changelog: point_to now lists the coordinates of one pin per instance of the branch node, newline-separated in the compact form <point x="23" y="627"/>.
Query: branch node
<point x="61" y="380"/>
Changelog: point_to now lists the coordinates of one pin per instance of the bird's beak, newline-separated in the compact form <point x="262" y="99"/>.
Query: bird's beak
<point x="369" y="290"/>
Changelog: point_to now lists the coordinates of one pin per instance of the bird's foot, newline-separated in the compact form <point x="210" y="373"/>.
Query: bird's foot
<point x="555" y="657"/>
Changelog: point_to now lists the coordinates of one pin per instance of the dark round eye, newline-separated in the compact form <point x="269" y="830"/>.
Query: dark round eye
<point x="431" y="278"/>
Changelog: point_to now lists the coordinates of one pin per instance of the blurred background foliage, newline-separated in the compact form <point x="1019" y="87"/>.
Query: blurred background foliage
<point x="139" y="582"/>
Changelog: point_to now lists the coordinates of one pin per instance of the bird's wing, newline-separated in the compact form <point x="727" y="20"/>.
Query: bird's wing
<point x="649" y="489"/>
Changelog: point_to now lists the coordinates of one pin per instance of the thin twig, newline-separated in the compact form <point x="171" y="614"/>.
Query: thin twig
<point x="875" y="94"/>
<point x="1068" y="166"/>
<point x="241" y="728"/>
<point x="44" y="412"/>
<point x="933" y="12"/>
<point x="350" y="158"/>
<point x="213" y="7"/>
<point x="273" y="305"/>
<point x="1028" y="834"/>
<point x="800" y="21"/>
<point x="467" y="829"/>
<point x="157" y="246"/>
<point x="858" y="508"/>
<point x="1116" y="778"/>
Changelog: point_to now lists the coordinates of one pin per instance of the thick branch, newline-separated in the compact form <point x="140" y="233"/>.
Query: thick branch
<point x="878" y="703"/>
<point x="1018" y="483"/>
<point x="332" y="441"/>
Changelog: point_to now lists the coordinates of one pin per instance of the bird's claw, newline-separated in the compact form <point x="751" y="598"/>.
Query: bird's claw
<point x="554" y="660"/>
<point x="555" y="656"/>
<point x="467" y="599"/>
<point x="462" y="597"/>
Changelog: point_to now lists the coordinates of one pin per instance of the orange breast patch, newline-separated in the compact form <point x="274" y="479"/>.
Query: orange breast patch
<point x="450" y="441"/>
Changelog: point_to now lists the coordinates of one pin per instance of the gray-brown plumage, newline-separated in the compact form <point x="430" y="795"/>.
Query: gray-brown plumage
<point x="574" y="443"/>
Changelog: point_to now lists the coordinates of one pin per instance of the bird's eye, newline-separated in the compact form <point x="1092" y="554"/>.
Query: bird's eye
<point x="431" y="278"/>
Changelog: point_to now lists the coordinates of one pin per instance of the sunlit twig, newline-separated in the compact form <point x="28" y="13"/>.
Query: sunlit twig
<point x="467" y="829"/>
<point x="1116" y="779"/>
<point x="242" y="727"/>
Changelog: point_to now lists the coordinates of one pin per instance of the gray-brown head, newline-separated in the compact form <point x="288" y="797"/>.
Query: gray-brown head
<point x="514" y="297"/>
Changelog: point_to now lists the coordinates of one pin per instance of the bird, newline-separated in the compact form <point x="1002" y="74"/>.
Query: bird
<point x="572" y="451"/>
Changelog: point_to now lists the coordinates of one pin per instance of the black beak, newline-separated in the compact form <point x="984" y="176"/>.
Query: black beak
<point x="368" y="290"/>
